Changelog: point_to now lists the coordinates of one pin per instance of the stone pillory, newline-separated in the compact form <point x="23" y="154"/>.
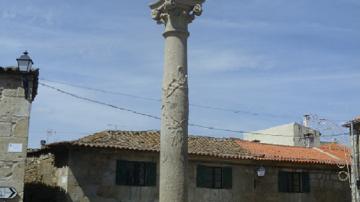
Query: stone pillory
<point x="176" y="16"/>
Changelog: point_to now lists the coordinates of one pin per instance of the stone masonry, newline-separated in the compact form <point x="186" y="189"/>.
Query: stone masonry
<point x="175" y="15"/>
<point x="17" y="90"/>
<point x="91" y="177"/>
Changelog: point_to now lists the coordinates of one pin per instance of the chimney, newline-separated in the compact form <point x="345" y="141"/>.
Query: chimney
<point x="306" y="120"/>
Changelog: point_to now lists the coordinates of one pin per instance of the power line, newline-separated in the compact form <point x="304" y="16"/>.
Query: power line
<point x="98" y="102"/>
<point x="103" y="91"/>
<point x="153" y="116"/>
<point x="235" y="111"/>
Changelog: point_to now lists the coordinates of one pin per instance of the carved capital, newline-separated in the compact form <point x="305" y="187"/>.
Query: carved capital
<point x="176" y="14"/>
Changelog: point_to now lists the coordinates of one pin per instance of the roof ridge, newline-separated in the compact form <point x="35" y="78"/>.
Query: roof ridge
<point x="327" y="153"/>
<point x="130" y="130"/>
<point x="158" y="131"/>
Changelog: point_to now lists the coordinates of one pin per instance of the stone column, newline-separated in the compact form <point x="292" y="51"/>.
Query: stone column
<point x="175" y="15"/>
<point x="17" y="91"/>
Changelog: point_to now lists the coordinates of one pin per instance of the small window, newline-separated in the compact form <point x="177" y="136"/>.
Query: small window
<point x="294" y="182"/>
<point x="133" y="173"/>
<point x="214" y="177"/>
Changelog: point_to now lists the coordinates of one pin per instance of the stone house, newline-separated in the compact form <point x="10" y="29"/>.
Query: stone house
<point x="112" y="166"/>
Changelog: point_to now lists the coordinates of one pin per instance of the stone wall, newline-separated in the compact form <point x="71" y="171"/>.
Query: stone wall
<point x="41" y="170"/>
<point x="48" y="170"/>
<point x="14" y="124"/>
<point x="91" y="177"/>
<point x="44" y="179"/>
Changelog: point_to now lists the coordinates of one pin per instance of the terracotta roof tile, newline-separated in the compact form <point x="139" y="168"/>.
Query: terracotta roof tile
<point x="291" y="153"/>
<point x="339" y="151"/>
<point x="209" y="146"/>
<point x="150" y="141"/>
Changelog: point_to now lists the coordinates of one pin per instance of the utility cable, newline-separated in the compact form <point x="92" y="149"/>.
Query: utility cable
<point x="235" y="111"/>
<point x="156" y="117"/>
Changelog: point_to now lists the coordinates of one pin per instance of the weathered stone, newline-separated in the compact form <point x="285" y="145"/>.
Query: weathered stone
<point x="175" y="15"/>
<point x="14" y="124"/>
<point x="5" y="129"/>
<point x="247" y="186"/>
<point x="21" y="128"/>
<point x="14" y="107"/>
<point x="17" y="92"/>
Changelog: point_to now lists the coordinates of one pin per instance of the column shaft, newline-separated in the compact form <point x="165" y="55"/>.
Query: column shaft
<point x="175" y="15"/>
<point x="174" y="123"/>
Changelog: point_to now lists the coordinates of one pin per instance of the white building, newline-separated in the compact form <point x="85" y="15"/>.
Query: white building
<point x="292" y="134"/>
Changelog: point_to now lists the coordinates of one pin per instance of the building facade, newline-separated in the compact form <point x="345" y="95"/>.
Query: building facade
<point x="292" y="134"/>
<point x="17" y="90"/>
<point x="124" y="166"/>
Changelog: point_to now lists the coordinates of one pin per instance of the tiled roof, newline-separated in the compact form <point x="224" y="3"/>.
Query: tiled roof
<point x="339" y="151"/>
<point x="232" y="148"/>
<point x="150" y="141"/>
<point x="292" y="153"/>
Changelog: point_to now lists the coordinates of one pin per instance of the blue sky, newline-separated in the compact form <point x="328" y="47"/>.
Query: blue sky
<point x="277" y="59"/>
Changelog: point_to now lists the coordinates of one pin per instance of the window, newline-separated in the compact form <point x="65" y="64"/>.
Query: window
<point x="214" y="177"/>
<point x="294" y="182"/>
<point x="135" y="173"/>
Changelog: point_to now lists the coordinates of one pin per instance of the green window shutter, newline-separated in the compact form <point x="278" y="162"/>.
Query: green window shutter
<point x="283" y="181"/>
<point x="150" y="174"/>
<point x="305" y="182"/>
<point x="204" y="176"/>
<point x="121" y="173"/>
<point x="227" y="177"/>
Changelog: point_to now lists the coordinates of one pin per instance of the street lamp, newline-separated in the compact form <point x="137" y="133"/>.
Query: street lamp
<point x="260" y="171"/>
<point x="24" y="62"/>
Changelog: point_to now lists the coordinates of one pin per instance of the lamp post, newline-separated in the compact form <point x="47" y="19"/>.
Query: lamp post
<point x="260" y="171"/>
<point x="24" y="62"/>
<point x="175" y="15"/>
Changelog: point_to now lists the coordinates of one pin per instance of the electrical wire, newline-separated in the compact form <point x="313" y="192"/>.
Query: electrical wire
<point x="98" y="102"/>
<point x="156" y="117"/>
<point x="235" y="111"/>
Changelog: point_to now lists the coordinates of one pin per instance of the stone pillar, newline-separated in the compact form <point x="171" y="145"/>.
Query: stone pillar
<point x="175" y="15"/>
<point x="17" y="91"/>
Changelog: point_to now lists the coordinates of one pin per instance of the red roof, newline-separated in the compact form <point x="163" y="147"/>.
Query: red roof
<point x="322" y="155"/>
<point x="340" y="151"/>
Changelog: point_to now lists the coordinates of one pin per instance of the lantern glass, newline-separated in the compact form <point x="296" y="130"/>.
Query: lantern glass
<point x="24" y="62"/>
<point x="261" y="171"/>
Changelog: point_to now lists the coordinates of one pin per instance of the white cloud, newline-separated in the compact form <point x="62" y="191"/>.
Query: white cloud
<point x="233" y="24"/>
<point x="227" y="60"/>
<point x="30" y="14"/>
<point x="284" y="26"/>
